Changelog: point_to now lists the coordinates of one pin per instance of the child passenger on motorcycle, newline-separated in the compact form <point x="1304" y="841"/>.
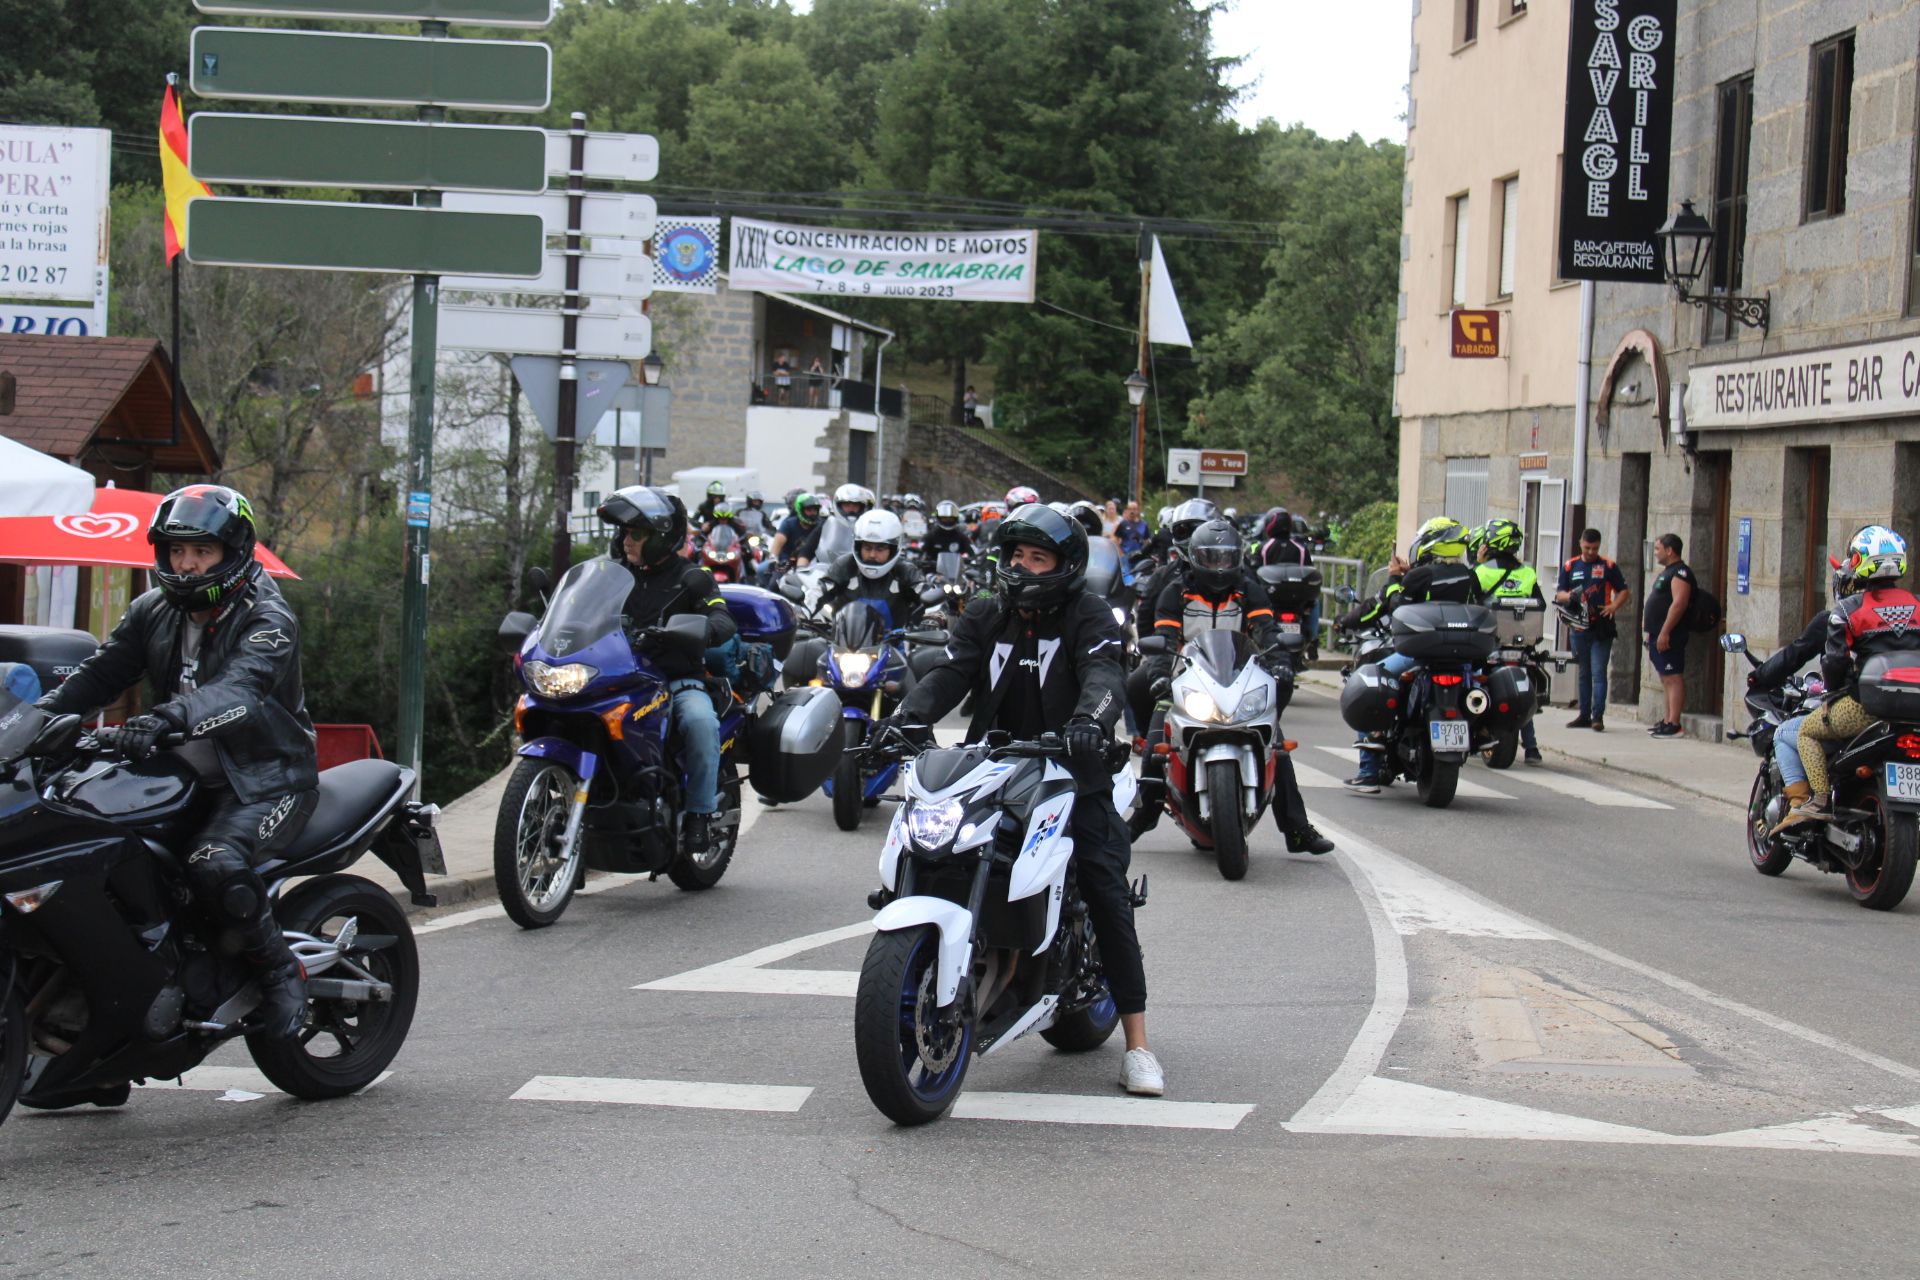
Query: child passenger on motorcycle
<point x="220" y="651"/>
<point x="650" y="532"/>
<point x="1042" y="656"/>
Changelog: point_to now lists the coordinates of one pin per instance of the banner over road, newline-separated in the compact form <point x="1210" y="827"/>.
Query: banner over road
<point x="947" y="266"/>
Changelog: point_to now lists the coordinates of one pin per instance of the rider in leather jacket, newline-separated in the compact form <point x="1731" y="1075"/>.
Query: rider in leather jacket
<point x="220" y="651"/>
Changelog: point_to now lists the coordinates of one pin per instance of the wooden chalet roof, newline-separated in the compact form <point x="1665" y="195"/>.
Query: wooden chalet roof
<point x="73" y="394"/>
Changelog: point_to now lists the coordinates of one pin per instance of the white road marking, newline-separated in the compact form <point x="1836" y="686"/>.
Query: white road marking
<point x="214" y="1079"/>
<point x="665" y="1093"/>
<point x="1473" y="789"/>
<point x="1417" y="901"/>
<point x="747" y="974"/>
<point x="1308" y="776"/>
<point x="1355" y="1099"/>
<point x="749" y="814"/>
<point x="1581" y="789"/>
<point x="1069" y="1108"/>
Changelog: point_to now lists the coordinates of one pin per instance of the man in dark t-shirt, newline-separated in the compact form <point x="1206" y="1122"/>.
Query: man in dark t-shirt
<point x="1594" y="590"/>
<point x="1665" y="624"/>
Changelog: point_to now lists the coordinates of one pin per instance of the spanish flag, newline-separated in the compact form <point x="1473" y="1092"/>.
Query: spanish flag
<point x="181" y="185"/>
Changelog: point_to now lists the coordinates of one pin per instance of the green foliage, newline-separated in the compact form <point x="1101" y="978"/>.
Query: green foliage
<point x="1304" y="377"/>
<point x="757" y="125"/>
<point x="1369" y="534"/>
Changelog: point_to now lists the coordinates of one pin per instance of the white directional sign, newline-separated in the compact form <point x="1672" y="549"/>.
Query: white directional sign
<point x="626" y="336"/>
<point x="611" y="157"/>
<point x="602" y="275"/>
<point x="621" y="217"/>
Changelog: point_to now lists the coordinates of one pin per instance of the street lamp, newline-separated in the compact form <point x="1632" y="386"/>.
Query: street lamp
<point x="1686" y="243"/>
<point x="1137" y="388"/>
<point x="651" y="367"/>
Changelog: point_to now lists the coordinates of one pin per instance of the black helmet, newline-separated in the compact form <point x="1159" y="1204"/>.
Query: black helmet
<point x="946" y="514"/>
<point x="1038" y="526"/>
<point x="1189" y="516"/>
<point x="1213" y="556"/>
<point x="204" y="513"/>
<point x="1089" y="517"/>
<point x="657" y="517"/>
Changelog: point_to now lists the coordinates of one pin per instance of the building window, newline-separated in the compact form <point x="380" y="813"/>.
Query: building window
<point x="1457" y="232"/>
<point x="1733" y="133"/>
<point x="1467" y="490"/>
<point x="1827" y="118"/>
<point x="590" y="499"/>
<point x="1509" y="235"/>
<point x="1466" y="22"/>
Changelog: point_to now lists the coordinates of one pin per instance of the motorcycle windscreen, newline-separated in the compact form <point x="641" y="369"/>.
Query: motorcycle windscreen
<point x="947" y="565"/>
<point x="860" y="624"/>
<point x="723" y="543"/>
<point x="1221" y="654"/>
<point x="586" y="606"/>
<point x="1103" y="567"/>
<point x="795" y="744"/>
<point x="836" y="540"/>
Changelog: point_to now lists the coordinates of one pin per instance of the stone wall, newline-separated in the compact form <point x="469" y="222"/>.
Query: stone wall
<point x="708" y="344"/>
<point x="947" y="462"/>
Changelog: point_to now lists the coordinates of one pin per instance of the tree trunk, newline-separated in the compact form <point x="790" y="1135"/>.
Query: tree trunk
<point x="956" y="411"/>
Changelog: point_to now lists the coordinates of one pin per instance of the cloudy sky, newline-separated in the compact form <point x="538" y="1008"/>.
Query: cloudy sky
<point x="1336" y="66"/>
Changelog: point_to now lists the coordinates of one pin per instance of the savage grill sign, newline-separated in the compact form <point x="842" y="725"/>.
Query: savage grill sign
<point x="1619" y="131"/>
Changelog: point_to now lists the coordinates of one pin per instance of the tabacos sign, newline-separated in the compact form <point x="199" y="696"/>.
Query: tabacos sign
<point x="1476" y="335"/>
<point x="1618" y="134"/>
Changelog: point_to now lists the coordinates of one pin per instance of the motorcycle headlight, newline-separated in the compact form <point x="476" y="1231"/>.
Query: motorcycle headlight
<point x="854" y="666"/>
<point x="931" y="823"/>
<point x="558" y="682"/>
<point x="1253" y="705"/>
<point x="1200" y="705"/>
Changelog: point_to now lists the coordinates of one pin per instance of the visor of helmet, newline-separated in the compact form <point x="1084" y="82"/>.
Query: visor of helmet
<point x="200" y="518"/>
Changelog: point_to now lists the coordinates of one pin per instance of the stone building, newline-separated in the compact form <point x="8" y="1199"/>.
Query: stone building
<point x="1794" y="134"/>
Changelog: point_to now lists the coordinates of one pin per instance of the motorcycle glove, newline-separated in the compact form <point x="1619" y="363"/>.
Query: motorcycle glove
<point x="1087" y="742"/>
<point x="137" y="738"/>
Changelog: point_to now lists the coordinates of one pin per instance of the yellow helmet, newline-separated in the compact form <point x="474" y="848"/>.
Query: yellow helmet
<point x="1441" y="538"/>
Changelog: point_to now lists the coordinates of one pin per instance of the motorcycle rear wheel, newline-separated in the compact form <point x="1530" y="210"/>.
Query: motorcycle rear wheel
<point x="1768" y="857"/>
<point x="366" y="1035"/>
<point x="1228" y="823"/>
<point x="893" y="1012"/>
<point x="13" y="1050"/>
<point x="533" y="815"/>
<point x="848" y="785"/>
<point x="1883" y="886"/>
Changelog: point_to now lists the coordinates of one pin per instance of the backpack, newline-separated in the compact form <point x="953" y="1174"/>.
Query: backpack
<point x="1703" y="610"/>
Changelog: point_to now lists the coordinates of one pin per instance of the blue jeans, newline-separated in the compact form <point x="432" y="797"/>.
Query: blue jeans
<point x="1591" y="653"/>
<point x="1786" y="750"/>
<point x="699" y="744"/>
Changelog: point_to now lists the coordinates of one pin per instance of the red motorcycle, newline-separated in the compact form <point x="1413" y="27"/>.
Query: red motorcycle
<point x="720" y="555"/>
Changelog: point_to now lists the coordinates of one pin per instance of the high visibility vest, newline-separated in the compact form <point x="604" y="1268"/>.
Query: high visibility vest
<point x="1519" y="581"/>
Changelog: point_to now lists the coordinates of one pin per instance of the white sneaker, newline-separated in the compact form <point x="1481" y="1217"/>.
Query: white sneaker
<point x="1140" y="1073"/>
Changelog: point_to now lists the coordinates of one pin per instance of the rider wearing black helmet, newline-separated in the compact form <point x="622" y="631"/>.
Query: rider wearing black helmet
<point x="945" y="534"/>
<point x="220" y="651"/>
<point x="650" y="534"/>
<point x="1042" y="656"/>
<point x="1167" y="545"/>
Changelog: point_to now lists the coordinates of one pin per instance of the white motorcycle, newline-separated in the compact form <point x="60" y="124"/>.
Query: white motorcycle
<point x="1217" y="744"/>
<point x="982" y="935"/>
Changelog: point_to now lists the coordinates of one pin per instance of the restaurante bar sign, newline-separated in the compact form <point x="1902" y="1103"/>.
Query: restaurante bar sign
<point x="1872" y="380"/>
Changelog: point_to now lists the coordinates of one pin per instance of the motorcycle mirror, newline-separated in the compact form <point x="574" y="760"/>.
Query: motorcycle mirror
<point x="926" y="637"/>
<point x="514" y="630"/>
<point x="1347" y="594"/>
<point x="1733" y="642"/>
<point x="932" y="595"/>
<point x="790" y="588"/>
<point x="1152" y="645"/>
<point x="539" y="579"/>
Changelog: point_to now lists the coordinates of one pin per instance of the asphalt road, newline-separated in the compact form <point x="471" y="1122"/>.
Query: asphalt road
<point x="1558" y="1029"/>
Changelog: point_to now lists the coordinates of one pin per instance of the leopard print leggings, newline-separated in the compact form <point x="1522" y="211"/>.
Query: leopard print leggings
<point x="1836" y="721"/>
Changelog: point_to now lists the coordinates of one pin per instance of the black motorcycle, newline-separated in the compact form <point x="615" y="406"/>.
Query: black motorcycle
<point x="1422" y="721"/>
<point x="1874" y="837"/>
<point x="111" y="973"/>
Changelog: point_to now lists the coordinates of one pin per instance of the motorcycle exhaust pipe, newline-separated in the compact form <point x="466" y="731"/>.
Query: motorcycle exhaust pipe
<point x="1478" y="702"/>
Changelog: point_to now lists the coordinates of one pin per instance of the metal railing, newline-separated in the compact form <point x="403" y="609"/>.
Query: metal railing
<point x="805" y="389"/>
<point x="1337" y="572"/>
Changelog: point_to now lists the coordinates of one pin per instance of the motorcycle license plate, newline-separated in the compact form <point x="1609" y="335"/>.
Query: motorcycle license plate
<point x="1903" y="781"/>
<point x="1448" y="735"/>
<point x="1289" y="628"/>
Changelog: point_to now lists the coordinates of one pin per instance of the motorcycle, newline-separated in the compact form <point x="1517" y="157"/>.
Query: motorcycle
<point x="1874" y="837"/>
<point x="1421" y="722"/>
<point x="1511" y="685"/>
<point x="1295" y="592"/>
<point x="599" y="783"/>
<point x="955" y="580"/>
<point x="111" y="973"/>
<point x="1365" y="642"/>
<point x="982" y="935"/>
<point x="1218" y="740"/>
<point x="865" y="662"/>
<point x="720" y="555"/>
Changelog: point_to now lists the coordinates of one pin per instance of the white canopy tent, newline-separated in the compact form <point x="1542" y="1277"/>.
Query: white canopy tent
<point x="33" y="484"/>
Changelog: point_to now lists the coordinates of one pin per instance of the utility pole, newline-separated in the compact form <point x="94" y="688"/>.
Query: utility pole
<point x="1140" y="411"/>
<point x="565" y="444"/>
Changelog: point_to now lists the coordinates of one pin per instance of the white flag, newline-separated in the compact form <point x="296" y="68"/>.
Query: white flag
<point x="1165" y="324"/>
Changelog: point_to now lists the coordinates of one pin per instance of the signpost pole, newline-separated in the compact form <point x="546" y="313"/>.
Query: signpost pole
<point x="413" y="600"/>
<point x="1140" y="413"/>
<point x="564" y="445"/>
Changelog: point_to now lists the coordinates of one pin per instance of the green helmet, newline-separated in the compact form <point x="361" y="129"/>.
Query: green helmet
<point x="1476" y="538"/>
<point x="1504" y="537"/>
<point x="1441" y="538"/>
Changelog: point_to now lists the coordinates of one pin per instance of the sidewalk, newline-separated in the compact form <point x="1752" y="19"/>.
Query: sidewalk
<point x="1717" y="771"/>
<point x="466" y="837"/>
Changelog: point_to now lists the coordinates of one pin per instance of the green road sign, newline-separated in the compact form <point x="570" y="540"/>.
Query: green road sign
<point x="483" y="13"/>
<point x="369" y="70"/>
<point x="313" y="151"/>
<point x="315" y="235"/>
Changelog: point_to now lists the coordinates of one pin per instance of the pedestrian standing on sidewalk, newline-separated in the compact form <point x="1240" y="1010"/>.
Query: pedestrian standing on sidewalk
<point x="1666" y="626"/>
<point x="1594" y="589"/>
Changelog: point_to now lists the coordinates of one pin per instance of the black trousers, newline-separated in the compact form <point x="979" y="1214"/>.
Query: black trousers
<point x="221" y="860"/>
<point x="1140" y="684"/>
<point x="1101" y="852"/>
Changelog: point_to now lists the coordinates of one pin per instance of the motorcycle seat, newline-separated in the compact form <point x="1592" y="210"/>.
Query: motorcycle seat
<point x="353" y="797"/>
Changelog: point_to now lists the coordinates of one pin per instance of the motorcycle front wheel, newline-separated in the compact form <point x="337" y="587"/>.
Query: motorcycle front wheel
<point x="13" y="1049"/>
<point x="912" y="1059"/>
<point x="703" y="870"/>
<point x="534" y="877"/>
<point x="848" y="785"/>
<point x="1228" y="823"/>
<point x="1437" y="781"/>
<point x="346" y="1043"/>
<point x="1769" y="858"/>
